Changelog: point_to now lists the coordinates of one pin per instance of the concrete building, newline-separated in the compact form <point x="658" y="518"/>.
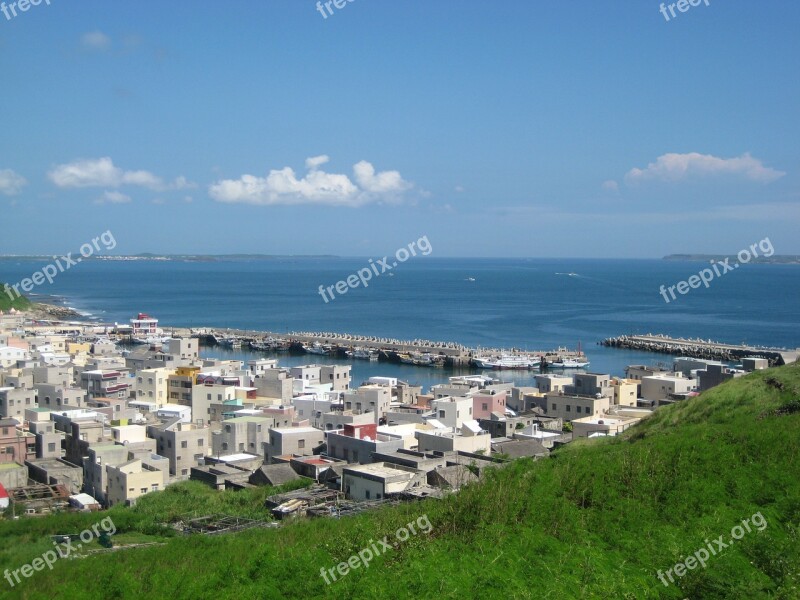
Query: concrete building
<point x="590" y="384"/>
<point x="14" y="401"/>
<point x="575" y="407"/>
<point x="135" y="478"/>
<point x="151" y="385"/>
<point x="626" y="391"/>
<point x="470" y="438"/>
<point x="16" y="445"/>
<point x="242" y="434"/>
<point x="379" y="480"/>
<point x="487" y="402"/>
<point x="297" y="441"/>
<point x="358" y="443"/>
<point x="105" y="383"/>
<point x="549" y="384"/>
<point x="452" y="411"/>
<point x="58" y="397"/>
<point x="372" y="398"/>
<point x="662" y="387"/>
<point x="606" y="425"/>
<point x="206" y="394"/>
<point x="337" y="375"/>
<point x="715" y="375"/>
<point x="184" y="445"/>
<point x="180" y="384"/>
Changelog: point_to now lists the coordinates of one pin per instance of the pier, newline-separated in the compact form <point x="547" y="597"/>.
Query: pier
<point x="455" y="355"/>
<point x="698" y="348"/>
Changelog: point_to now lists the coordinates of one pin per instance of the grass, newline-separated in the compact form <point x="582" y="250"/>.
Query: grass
<point x="597" y="520"/>
<point x="13" y="301"/>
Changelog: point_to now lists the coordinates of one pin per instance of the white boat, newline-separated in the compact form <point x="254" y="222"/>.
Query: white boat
<point x="317" y="348"/>
<point x="506" y="361"/>
<point x="363" y="354"/>
<point x="570" y="363"/>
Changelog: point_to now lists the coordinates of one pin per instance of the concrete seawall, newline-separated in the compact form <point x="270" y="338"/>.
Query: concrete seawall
<point x="697" y="348"/>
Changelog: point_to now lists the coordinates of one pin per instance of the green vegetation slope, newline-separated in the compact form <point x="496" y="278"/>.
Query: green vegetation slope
<point x="597" y="520"/>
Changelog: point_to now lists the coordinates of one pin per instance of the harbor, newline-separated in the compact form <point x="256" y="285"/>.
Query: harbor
<point x="418" y="352"/>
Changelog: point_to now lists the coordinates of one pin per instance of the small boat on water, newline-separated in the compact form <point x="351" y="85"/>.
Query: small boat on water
<point x="231" y="342"/>
<point x="569" y="363"/>
<point x="362" y="353"/>
<point x="506" y="361"/>
<point x="317" y="348"/>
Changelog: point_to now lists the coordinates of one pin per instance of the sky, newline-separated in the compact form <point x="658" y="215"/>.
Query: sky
<point x="517" y="128"/>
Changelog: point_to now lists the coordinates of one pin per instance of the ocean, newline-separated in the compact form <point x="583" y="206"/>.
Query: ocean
<point x="524" y="303"/>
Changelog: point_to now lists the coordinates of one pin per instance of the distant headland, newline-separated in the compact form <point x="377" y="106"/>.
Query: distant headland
<point x="775" y="259"/>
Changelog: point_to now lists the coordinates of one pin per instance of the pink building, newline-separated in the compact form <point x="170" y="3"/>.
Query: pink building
<point x="484" y="405"/>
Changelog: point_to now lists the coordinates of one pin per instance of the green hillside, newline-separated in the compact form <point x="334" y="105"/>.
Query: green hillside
<point x="597" y="520"/>
<point x="7" y="302"/>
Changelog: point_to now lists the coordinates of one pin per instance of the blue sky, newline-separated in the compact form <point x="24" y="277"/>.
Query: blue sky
<point x="514" y="128"/>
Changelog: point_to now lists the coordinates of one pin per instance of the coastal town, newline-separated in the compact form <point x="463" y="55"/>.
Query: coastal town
<point x="93" y="416"/>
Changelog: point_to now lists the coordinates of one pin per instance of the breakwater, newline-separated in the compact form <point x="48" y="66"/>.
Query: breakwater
<point x="699" y="348"/>
<point x="453" y="354"/>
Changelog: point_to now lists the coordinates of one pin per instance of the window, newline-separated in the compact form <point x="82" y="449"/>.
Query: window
<point x="184" y="471"/>
<point x="208" y="396"/>
<point x="224" y="445"/>
<point x="569" y="408"/>
<point x="554" y="406"/>
<point x="441" y="414"/>
<point x="200" y="442"/>
<point x="144" y="490"/>
<point x="301" y="444"/>
<point x="51" y="447"/>
<point x="184" y="444"/>
<point x="367" y="494"/>
<point x="484" y="406"/>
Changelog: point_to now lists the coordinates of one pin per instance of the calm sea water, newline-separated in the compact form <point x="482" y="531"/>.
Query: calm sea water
<point x="524" y="303"/>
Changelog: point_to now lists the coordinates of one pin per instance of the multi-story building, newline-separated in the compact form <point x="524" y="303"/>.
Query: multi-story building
<point x="487" y="402"/>
<point x="357" y="443"/>
<point x="185" y="445"/>
<point x="574" y="407"/>
<point x="242" y="434"/>
<point x="337" y="375"/>
<point x="135" y="478"/>
<point x="300" y="441"/>
<point x="105" y="383"/>
<point x="16" y="445"/>
<point x="452" y="411"/>
<point x="151" y="385"/>
<point x="180" y="384"/>
<point x="14" y="402"/>
<point x="57" y="397"/>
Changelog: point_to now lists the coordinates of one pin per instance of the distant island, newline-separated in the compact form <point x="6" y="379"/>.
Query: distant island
<point x="147" y="256"/>
<point x="775" y="259"/>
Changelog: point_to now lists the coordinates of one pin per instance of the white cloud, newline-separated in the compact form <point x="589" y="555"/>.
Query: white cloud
<point x="113" y="197"/>
<point x="316" y="161"/>
<point x="101" y="172"/>
<point x="317" y="187"/>
<point x="610" y="186"/>
<point x="11" y="183"/>
<point x="96" y="40"/>
<point x="459" y="189"/>
<point x="679" y="167"/>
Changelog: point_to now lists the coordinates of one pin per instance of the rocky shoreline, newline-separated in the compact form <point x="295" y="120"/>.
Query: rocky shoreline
<point x="51" y="312"/>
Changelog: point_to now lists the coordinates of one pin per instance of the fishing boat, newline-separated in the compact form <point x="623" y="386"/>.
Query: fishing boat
<point x="317" y="348"/>
<point x="569" y="363"/>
